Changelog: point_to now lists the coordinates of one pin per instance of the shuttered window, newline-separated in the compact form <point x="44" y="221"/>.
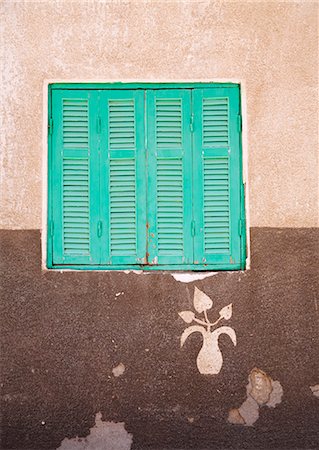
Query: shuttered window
<point x="145" y="176"/>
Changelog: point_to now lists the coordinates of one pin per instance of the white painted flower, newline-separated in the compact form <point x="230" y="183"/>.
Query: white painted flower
<point x="226" y="312"/>
<point x="201" y="301"/>
<point x="209" y="360"/>
<point x="187" y="316"/>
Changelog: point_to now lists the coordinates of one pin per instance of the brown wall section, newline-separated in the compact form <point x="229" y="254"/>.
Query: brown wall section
<point x="271" y="46"/>
<point x="64" y="334"/>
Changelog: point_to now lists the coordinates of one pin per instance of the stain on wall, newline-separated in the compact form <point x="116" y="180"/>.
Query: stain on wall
<point x="271" y="46"/>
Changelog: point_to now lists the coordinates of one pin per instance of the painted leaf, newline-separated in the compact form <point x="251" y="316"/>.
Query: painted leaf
<point x="226" y="312"/>
<point x="187" y="316"/>
<point x="201" y="301"/>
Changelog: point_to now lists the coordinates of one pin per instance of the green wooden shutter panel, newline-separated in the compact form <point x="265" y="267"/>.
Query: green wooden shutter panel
<point x="74" y="193"/>
<point x="122" y="178"/>
<point x="146" y="177"/>
<point x="169" y="177"/>
<point x="217" y="186"/>
<point x="123" y="185"/>
<point x="169" y="167"/>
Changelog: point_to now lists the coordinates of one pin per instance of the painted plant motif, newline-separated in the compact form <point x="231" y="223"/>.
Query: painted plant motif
<point x="209" y="359"/>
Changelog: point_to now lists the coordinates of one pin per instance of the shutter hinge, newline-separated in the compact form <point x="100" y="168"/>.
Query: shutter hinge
<point x="51" y="228"/>
<point x="99" y="122"/>
<point x="239" y="123"/>
<point x="191" y="123"/>
<point x="99" y="228"/>
<point x="241" y="227"/>
<point x="50" y="125"/>
<point x="193" y="228"/>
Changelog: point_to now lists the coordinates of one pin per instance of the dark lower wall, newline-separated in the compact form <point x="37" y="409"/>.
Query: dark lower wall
<point x="63" y="333"/>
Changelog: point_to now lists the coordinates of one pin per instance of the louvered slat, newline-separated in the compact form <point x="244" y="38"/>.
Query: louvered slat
<point x="216" y="205"/>
<point x="122" y="207"/>
<point x="215" y="122"/>
<point x="75" y="178"/>
<point x="121" y="124"/>
<point x="168" y="122"/>
<point x="170" y="206"/>
<point x="75" y="123"/>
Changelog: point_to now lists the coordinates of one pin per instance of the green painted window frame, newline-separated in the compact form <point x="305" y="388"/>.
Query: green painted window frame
<point x="238" y="230"/>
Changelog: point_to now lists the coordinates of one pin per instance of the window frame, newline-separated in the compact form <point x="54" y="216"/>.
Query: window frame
<point x="144" y="267"/>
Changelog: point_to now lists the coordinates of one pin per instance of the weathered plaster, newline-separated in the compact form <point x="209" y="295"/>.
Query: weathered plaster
<point x="272" y="46"/>
<point x="190" y="277"/>
<point x="103" y="436"/>
<point x="118" y="370"/>
<point x="315" y="390"/>
<point x="261" y="391"/>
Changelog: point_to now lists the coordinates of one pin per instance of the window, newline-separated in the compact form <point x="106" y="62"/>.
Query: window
<point x="145" y="176"/>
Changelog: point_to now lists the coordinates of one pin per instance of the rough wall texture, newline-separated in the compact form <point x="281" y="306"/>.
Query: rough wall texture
<point x="271" y="46"/>
<point x="76" y="344"/>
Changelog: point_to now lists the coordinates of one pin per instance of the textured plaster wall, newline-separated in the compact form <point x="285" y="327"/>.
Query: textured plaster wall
<point x="271" y="46"/>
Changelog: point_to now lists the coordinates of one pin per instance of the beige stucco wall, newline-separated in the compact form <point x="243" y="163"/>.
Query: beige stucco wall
<point x="270" y="46"/>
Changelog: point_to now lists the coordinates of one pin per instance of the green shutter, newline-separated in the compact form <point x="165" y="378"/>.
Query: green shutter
<point x="169" y="176"/>
<point x="146" y="176"/>
<point x="123" y="186"/>
<point x="217" y="176"/>
<point x="75" y="184"/>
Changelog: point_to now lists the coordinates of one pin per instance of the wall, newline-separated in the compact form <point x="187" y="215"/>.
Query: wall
<point x="270" y="46"/>
<point x="93" y="360"/>
<point x="75" y="344"/>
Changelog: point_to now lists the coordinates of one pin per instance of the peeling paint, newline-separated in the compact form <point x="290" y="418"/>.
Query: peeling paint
<point x="261" y="391"/>
<point x="118" y="370"/>
<point x="190" y="277"/>
<point x="137" y="272"/>
<point x="103" y="436"/>
<point x="315" y="390"/>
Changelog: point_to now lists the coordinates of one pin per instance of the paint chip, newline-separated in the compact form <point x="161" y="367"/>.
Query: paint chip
<point x="315" y="390"/>
<point x="118" y="370"/>
<point x="260" y="386"/>
<point x="103" y="436"/>
<point x="261" y="391"/>
<point x="190" y="277"/>
<point x="118" y="294"/>
<point x="235" y="417"/>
